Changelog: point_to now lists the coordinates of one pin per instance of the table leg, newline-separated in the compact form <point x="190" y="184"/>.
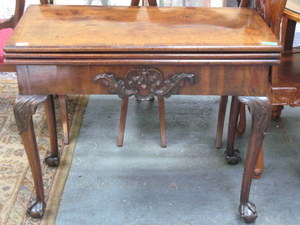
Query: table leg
<point x="24" y="108"/>
<point x="52" y="158"/>
<point x="221" y="119"/>
<point x="122" y="122"/>
<point x="64" y="117"/>
<point x="162" y="121"/>
<point x="260" y="110"/>
<point x="233" y="155"/>
<point x="241" y="126"/>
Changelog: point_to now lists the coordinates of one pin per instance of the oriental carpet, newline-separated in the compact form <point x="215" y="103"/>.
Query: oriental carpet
<point x="16" y="184"/>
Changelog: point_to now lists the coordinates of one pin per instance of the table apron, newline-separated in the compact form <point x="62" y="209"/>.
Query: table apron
<point x="188" y="80"/>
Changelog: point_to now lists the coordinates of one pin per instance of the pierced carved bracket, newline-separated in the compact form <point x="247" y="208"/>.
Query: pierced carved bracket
<point x="260" y="110"/>
<point x="25" y="106"/>
<point x="144" y="83"/>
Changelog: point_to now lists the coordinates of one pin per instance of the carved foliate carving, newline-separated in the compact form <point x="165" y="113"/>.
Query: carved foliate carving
<point x="144" y="83"/>
<point x="260" y="110"/>
<point x="24" y="107"/>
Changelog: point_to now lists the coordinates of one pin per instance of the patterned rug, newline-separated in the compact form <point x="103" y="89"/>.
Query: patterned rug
<point x="16" y="184"/>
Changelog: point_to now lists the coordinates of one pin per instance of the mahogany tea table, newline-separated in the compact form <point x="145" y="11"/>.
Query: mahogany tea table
<point x="140" y="51"/>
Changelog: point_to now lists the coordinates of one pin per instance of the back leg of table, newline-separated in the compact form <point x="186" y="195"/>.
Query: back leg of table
<point x="64" y="117"/>
<point x="241" y="127"/>
<point x="232" y="155"/>
<point x="221" y="119"/>
<point x="162" y="121"/>
<point x="53" y="158"/>
<point x="122" y="122"/>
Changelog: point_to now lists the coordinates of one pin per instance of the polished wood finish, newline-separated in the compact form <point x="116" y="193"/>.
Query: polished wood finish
<point x="170" y="23"/>
<point x="200" y="51"/>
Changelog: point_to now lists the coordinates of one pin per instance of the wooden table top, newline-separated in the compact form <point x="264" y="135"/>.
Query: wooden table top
<point x="73" y="29"/>
<point x="292" y="10"/>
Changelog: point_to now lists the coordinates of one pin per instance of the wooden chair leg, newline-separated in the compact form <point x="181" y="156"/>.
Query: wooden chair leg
<point x="162" y="121"/>
<point x="64" y="117"/>
<point x="241" y="127"/>
<point x="221" y="119"/>
<point x="135" y="2"/>
<point x="122" y="123"/>
<point x="260" y="110"/>
<point x="53" y="157"/>
<point x="232" y="155"/>
<point x="24" y="108"/>
<point x="259" y="168"/>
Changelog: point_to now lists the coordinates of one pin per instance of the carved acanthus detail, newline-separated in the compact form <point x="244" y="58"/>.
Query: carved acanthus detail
<point x="24" y="107"/>
<point x="260" y="110"/>
<point x="144" y="83"/>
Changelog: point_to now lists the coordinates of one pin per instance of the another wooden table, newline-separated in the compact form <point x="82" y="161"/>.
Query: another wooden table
<point x="138" y="51"/>
<point x="290" y="18"/>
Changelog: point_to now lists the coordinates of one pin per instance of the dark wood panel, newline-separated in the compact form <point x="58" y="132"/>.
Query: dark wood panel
<point x="209" y="80"/>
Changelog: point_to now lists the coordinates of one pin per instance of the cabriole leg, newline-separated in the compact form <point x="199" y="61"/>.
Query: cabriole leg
<point x="260" y="110"/>
<point x="24" y="108"/>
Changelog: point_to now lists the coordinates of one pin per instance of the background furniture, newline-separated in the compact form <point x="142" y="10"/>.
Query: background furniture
<point x="6" y="30"/>
<point x="239" y="129"/>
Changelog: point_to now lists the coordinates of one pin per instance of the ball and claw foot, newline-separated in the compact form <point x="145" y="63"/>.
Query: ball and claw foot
<point x="36" y="210"/>
<point x="248" y="212"/>
<point x="233" y="159"/>
<point x="52" y="161"/>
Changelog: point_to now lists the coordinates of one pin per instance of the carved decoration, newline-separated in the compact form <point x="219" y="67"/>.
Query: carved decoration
<point x="261" y="7"/>
<point x="260" y="110"/>
<point x="144" y="83"/>
<point x="248" y="212"/>
<point x="24" y="107"/>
